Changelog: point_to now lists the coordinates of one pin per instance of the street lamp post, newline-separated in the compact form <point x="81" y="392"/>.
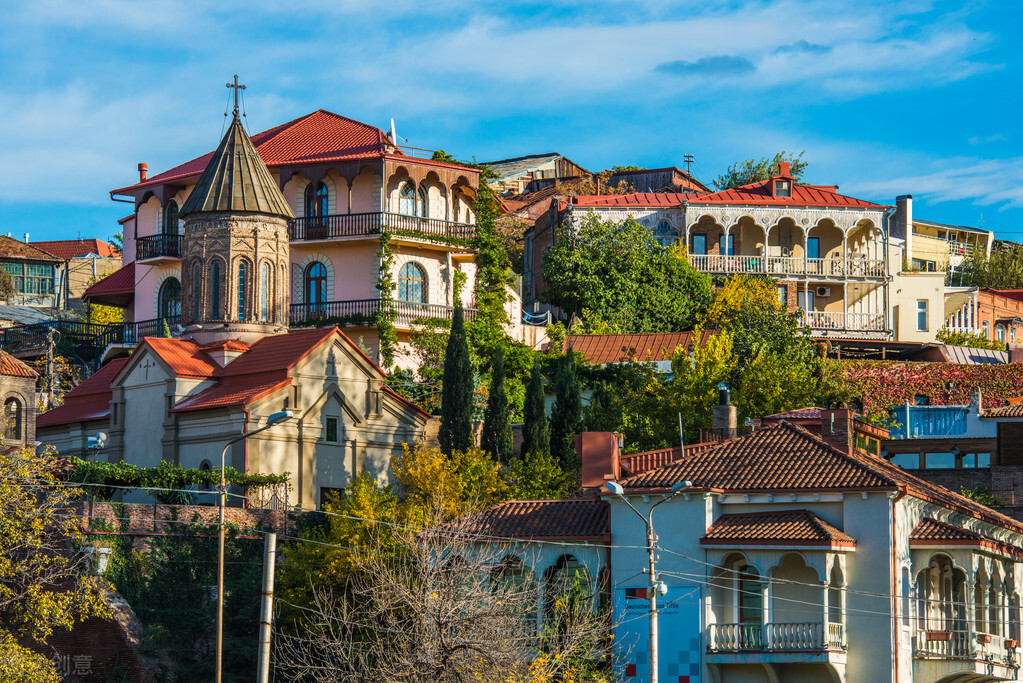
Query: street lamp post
<point x="271" y="421"/>
<point x="651" y="549"/>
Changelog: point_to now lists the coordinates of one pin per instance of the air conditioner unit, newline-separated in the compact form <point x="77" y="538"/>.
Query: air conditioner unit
<point x="824" y="291"/>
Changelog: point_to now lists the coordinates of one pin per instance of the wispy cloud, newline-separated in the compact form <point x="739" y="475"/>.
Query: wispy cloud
<point x="719" y="65"/>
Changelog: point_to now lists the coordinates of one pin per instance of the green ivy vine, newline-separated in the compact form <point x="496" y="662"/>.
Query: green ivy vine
<point x="387" y="312"/>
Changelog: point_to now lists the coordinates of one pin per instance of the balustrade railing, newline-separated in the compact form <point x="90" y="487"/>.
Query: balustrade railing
<point x="801" y="636"/>
<point x="157" y="246"/>
<point x="853" y="321"/>
<point x="362" y="224"/>
<point x="365" y="311"/>
<point x="834" y="267"/>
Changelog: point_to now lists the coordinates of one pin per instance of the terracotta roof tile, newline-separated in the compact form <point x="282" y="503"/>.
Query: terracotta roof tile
<point x="69" y="249"/>
<point x="185" y="357"/>
<point x="90" y="400"/>
<point x="637" y="463"/>
<point x="782" y="527"/>
<point x="614" y="348"/>
<point x="808" y="413"/>
<point x="931" y="532"/>
<point x="529" y="519"/>
<point x="11" y="248"/>
<point x="1014" y="410"/>
<point x="12" y="367"/>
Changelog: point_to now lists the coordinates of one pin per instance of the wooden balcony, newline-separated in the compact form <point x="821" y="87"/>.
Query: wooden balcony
<point x="341" y="226"/>
<point x="363" y="313"/>
<point x="157" y="249"/>
<point x="851" y="267"/>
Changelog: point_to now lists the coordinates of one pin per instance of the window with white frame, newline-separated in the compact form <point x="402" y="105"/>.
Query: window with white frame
<point x="407" y="199"/>
<point x="921" y="315"/>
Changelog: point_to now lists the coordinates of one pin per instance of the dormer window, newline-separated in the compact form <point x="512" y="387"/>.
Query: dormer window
<point x="782" y="188"/>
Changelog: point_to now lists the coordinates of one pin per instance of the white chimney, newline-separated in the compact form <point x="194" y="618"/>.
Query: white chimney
<point x="394" y="135"/>
<point x="26" y="238"/>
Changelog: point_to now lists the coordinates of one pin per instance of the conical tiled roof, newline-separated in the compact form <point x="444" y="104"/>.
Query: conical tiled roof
<point x="236" y="179"/>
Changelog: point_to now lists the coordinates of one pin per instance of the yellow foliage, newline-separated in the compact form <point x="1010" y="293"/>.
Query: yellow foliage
<point x="740" y="292"/>
<point x="452" y="485"/>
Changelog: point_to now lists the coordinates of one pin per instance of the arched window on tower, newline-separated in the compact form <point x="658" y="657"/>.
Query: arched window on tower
<point x="264" y="293"/>
<point x="169" y="297"/>
<point x="243" y="281"/>
<point x="665" y="234"/>
<point x="170" y="219"/>
<point x="316" y="200"/>
<point x="197" y="286"/>
<point x="214" y="295"/>
<point x="315" y="286"/>
<point x="412" y="283"/>
<point x="12" y="419"/>
<point x="407" y="199"/>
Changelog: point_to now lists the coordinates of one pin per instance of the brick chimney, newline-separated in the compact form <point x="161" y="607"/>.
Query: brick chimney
<point x="599" y="454"/>
<point x="785" y="169"/>
<point x="837" y="428"/>
<point x="724" y="416"/>
<point x="596" y="183"/>
<point x="143" y="170"/>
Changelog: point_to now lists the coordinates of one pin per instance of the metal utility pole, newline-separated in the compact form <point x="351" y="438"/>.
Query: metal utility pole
<point x="51" y="342"/>
<point x="651" y="548"/>
<point x="266" y="610"/>
<point x="271" y="421"/>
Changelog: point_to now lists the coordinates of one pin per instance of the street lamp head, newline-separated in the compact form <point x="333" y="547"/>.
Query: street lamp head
<point x="615" y="488"/>
<point x="96" y="442"/>
<point x="680" y="486"/>
<point x="278" y="417"/>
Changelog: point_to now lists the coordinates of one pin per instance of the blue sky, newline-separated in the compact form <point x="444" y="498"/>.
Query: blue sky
<point x="885" y="97"/>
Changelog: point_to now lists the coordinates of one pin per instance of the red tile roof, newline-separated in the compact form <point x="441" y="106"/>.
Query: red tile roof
<point x="782" y="527"/>
<point x="930" y="532"/>
<point x="69" y="249"/>
<point x="118" y="283"/>
<point x="786" y="458"/>
<point x="614" y="348"/>
<point x="1014" y="410"/>
<point x="808" y="413"/>
<point x="11" y="248"/>
<point x="184" y="357"/>
<point x="90" y="400"/>
<point x="637" y="463"/>
<point x="12" y="367"/>
<point x="232" y="391"/>
<point x="537" y="519"/>
<point x="802" y="195"/>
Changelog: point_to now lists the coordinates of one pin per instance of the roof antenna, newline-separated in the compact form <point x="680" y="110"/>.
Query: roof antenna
<point x="688" y="160"/>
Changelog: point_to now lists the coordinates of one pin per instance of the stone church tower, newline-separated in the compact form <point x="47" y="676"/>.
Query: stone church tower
<point x="235" y="256"/>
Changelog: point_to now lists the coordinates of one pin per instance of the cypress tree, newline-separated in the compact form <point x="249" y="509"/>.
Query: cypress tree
<point x="456" y="401"/>
<point x="497" y="431"/>
<point x="536" y="435"/>
<point x="567" y="412"/>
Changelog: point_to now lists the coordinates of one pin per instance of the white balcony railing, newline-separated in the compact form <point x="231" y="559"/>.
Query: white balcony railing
<point x="854" y="266"/>
<point x="808" y="637"/>
<point x="857" y="322"/>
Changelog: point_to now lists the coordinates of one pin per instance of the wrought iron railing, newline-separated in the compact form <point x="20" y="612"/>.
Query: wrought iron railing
<point x="158" y="246"/>
<point x="361" y="224"/>
<point x="365" y="311"/>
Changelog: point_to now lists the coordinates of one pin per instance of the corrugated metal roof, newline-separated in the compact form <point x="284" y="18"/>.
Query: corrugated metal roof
<point x="236" y="179"/>
<point x="968" y="356"/>
<point x="185" y="357"/>
<point x="90" y="400"/>
<point x="119" y="282"/>
<point x="782" y="527"/>
<point x="510" y="168"/>
<point x="802" y="195"/>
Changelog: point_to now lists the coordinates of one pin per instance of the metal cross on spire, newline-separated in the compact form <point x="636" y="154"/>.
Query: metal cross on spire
<point x="236" y="89"/>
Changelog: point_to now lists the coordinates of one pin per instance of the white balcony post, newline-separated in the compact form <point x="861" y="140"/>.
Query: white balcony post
<point x="842" y="612"/>
<point x="765" y="613"/>
<point x="825" y="627"/>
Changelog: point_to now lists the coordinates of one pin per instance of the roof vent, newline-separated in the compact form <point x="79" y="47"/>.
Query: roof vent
<point x="143" y="170"/>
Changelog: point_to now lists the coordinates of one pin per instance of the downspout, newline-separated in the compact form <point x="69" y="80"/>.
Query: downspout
<point x="896" y="646"/>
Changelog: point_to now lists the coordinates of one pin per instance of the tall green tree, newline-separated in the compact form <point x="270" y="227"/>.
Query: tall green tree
<point x="752" y="171"/>
<point x="567" y="412"/>
<point x="618" y="278"/>
<point x="456" y="403"/>
<point x="536" y="435"/>
<point x="497" y="431"/>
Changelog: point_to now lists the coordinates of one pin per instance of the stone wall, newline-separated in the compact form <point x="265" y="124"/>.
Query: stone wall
<point x="144" y="520"/>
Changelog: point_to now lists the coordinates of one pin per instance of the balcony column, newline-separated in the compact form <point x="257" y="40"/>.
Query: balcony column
<point x="845" y="307"/>
<point x="825" y="628"/>
<point x="842" y="595"/>
<point x="765" y="612"/>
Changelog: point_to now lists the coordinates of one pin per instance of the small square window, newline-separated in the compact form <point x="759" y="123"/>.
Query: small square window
<point x="332" y="429"/>
<point x="783" y="188"/>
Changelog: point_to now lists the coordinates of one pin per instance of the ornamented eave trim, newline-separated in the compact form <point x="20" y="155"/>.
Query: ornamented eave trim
<point x="769" y="216"/>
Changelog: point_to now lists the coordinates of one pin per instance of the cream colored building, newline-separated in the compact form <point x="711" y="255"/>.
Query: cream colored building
<point x="918" y="305"/>
<point x="931" y="246"/>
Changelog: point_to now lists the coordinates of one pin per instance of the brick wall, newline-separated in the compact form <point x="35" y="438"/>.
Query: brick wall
<point x="1004" y="483"/>
<point x="146" y="519"/>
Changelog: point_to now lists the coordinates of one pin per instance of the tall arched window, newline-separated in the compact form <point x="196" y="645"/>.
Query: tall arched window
<point x="315" y="285"/>
<point x="422" y="205"/>
<point x="316" y="200"/>
<point x="407" y="199"/>
<point x="243" y="281"/>
<point x="170" y="219"/>
<point x="197" y="297"/>
<point x="169" y="303"/>
<point x="264" y="293"/>
<point x="12" y="419"/>
<point x="214" y="296"/>
<point x="412" y="283"/>
<point x="665" y="234"/>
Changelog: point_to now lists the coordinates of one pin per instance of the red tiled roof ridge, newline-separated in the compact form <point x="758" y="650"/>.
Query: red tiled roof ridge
<point x="184" y="356"/>
<point x="781" y="527"/>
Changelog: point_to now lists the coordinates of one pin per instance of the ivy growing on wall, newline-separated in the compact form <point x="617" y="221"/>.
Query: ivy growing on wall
<point x="387" y="312"/>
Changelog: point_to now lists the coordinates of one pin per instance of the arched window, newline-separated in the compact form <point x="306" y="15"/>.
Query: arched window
<point x="567" y="583"/>
<point x="316" y="200"/>
<point x="315" y="285"/>
<point x="264" y="293"/>
<point x="12" y="419"/>
<point x="197" y="297"/>
<point x="206" y="467"/>
<point x="407" y="199"/>
<point x="170" y="298"/>
<point x="412" y="283"/>
<point x="665" y="234"/>
<point x="170" y="219"/>
<point x="214" y="296"/>
<point x="422" y="205"/>
<point x="243" y="281"/>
